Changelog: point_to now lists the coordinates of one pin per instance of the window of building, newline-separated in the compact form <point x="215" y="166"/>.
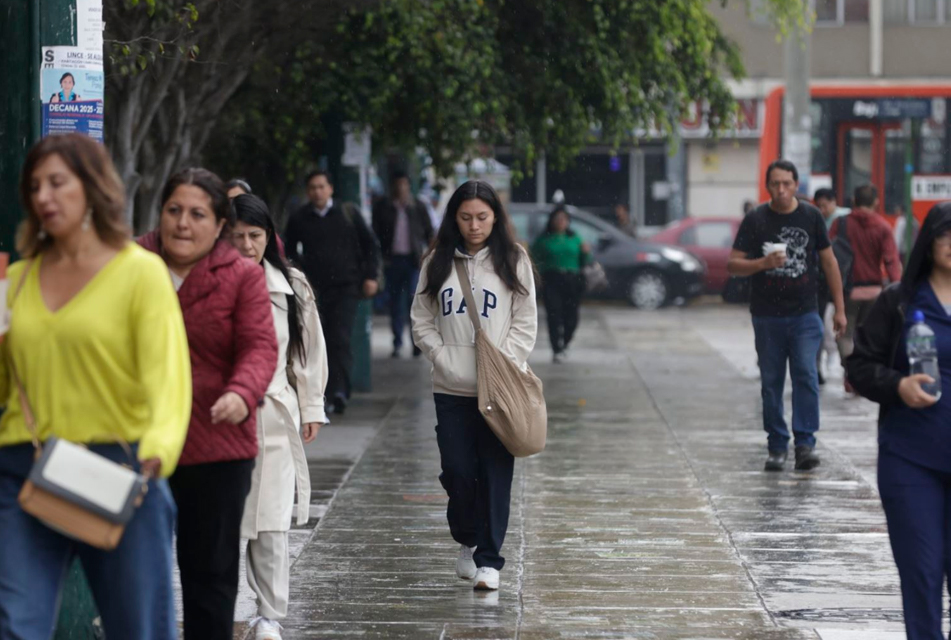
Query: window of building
<point x="821" y="149"/>
<point x="827" y="11"/>
<point x="933" y="147"/>
<point x="929" y="11"/>
<point x="837" y="12"/>
<point x="895" y="11"/>
<point x="855" y="10"/>
<point x="759" y="12"/>
<point x="921" y="12"/>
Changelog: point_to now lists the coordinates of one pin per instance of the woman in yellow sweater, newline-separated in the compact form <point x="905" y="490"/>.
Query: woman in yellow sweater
<point x="97" y="337"/>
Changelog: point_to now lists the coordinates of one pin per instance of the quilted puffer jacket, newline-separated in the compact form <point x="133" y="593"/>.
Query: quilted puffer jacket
<point x="231" y="340"/>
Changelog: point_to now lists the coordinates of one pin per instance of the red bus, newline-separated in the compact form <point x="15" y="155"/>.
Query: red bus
<point x="896" y="137"/>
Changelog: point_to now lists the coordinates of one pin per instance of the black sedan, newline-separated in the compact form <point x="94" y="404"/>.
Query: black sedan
<point x="645" y="274"/>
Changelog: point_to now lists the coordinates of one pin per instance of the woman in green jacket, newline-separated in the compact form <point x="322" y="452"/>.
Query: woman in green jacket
<point x="559" y="254"/>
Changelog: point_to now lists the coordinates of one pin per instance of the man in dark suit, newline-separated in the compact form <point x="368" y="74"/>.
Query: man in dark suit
<point x="340" y="256"/>
<point x="403" y="225"/>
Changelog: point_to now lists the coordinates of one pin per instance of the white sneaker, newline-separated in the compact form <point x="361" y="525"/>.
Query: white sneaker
<point x="266" y="629"/>
<point x="486" y="579"/>
<point x="465" y="565"/>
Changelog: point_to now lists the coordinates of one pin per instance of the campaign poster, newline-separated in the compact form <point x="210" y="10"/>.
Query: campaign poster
<point x="72" y="87"/>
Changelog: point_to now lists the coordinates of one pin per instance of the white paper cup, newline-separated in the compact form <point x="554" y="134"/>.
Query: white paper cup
<point x="779" y="247"/>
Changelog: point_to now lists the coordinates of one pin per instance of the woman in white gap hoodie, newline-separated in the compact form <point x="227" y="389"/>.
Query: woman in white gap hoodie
<point x="476" y="467"/>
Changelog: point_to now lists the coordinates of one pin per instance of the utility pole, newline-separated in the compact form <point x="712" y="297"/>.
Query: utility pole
<point x="797" y="122"/>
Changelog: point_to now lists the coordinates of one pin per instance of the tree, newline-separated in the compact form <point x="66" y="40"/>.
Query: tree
<point x="251" y="84"/>
<point x="457" y="76"/>
<point x="174" y="65"/>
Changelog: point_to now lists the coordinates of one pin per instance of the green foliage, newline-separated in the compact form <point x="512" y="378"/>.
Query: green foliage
<point x="144" y="30"/>
<point x="458" y="77"/>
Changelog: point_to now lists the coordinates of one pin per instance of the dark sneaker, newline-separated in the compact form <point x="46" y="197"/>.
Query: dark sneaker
<point x="806" y="458"/>
<point x="776" y="460"/>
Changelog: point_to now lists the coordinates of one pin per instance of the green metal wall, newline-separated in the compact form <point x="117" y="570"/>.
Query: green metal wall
<point x="25" y="26"/>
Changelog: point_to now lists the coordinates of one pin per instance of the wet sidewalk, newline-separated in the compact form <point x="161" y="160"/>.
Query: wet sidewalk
<point x="648" y="516"/>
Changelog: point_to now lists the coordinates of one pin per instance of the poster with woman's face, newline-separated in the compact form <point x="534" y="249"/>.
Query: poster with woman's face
<point x="72" y="89"/>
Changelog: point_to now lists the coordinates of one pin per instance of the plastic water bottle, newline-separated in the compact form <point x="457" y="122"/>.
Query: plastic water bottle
<point x="923" y="353"/>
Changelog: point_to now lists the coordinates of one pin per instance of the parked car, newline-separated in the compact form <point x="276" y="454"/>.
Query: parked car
<point x="710" y="239"/>
<point x="646" y="274"/>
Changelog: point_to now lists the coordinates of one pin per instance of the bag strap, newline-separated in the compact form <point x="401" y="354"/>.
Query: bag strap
<point x="28" y="416"/>
<point x="467" y="293"/>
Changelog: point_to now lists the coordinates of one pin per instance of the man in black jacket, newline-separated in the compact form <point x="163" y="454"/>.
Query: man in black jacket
<point x="340" y="256"/>
<point x="403" y="226"/>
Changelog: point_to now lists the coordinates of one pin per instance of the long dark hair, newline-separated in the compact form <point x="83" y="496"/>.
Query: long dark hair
<point x="502" y="246"/>
<point x="559" y="209"/>
<point x="251" y="210"/>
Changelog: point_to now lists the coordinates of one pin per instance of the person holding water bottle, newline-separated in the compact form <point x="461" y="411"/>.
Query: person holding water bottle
<point x="902" y="356"/>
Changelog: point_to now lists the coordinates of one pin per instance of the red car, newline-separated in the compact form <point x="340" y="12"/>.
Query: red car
<point x="710" y="239"/>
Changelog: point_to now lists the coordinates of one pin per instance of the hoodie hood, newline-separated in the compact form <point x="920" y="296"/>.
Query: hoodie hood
<point x="863" y="217"/>
<point x="919" y="262"/>
<point x="480" y="255"/>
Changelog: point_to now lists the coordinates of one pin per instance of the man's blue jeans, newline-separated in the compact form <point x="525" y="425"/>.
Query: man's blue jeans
<point x="132" y="585"/>
<point x="402" y="276"/>
<point x="794" y="340"/>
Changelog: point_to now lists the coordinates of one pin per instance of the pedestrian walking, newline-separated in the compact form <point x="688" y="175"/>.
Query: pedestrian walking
<point x="404" y="229"/>
<point x="237" y="187"/>
<point x="227" y="311"/>
<point x="788" y="242"/>
<point x="340" y="256"/>
<point x="289" y="408"/>
<point x="874" y="252"/>
<point x="914" y="444"/>
<point x="624" y="221"/>
<point x="476" y="467"/>
<point x="97" y="341"/>
<point x="559" y="254"/>
<point x="824" y="200"/>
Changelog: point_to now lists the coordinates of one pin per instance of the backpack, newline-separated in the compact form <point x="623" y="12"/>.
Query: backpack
<point x="844" y="255"/>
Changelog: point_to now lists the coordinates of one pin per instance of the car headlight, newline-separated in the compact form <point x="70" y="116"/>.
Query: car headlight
<point x="691" y="264"/>
<point x="686" y="261"/>
<point x="674" y="255"/>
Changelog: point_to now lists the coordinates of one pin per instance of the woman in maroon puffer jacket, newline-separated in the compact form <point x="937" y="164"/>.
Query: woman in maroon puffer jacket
<point x="227" y="311"/>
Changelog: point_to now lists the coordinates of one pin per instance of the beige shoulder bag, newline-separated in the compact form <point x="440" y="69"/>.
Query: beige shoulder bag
<point x="73" y="490"/>
<point x="512" y="401"/>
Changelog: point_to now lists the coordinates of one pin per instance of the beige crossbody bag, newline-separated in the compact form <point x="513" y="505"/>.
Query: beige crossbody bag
<point x="512" y="401"/>
<point x="73" y="490"/>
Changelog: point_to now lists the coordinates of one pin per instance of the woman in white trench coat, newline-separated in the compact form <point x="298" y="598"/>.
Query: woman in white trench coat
<point x="288" y="409"/>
